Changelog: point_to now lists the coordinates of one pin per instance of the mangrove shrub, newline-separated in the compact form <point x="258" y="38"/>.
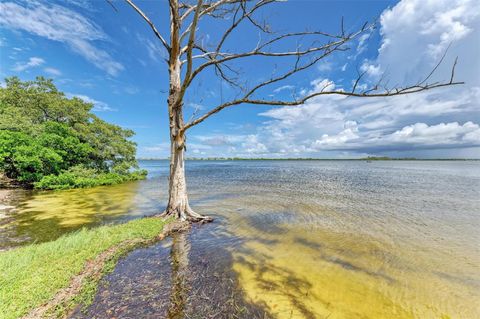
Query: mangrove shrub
<point x="50" y="141"/>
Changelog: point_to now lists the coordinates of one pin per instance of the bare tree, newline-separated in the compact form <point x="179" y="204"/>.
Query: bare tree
<point x="188" y="56"/>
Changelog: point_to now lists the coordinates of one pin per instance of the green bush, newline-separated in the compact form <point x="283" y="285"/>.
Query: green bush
<point x="80" y="177"/>
<point x="52" y="142"/>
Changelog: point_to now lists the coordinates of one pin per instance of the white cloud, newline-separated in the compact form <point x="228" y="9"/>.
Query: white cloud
<point x="442" y="135"/>
<point x="161" y="148"/>
<point x="325" y="66"/>
<point x="371" y="69"/>
<point x="414" y="34"/>
<point x="220" y="139"/>
<point x="196" y="107"/>
<point x="98" y="106"/>
<point x="52" y="71"/>
<point x="58" y="23"/>
<point x="252" y="145"/>
<point x="155" y="51"/>
<point x="283" y="88"/>
<point x="131" y="90"/>
<point x="338" y="140"/>
<point x="442" y="122"/>
<point x="32" y="62"/>
<point x="362" y="44"/>
<point x="84" y="4"/>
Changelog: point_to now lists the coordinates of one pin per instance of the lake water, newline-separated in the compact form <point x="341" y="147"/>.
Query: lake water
<point x="299" y="239"/>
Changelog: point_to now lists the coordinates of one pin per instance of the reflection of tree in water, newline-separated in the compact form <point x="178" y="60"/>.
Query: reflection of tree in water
<point x="203" y="283"/>
<point x="193" y="277"/>
<point x="179" y="261"/>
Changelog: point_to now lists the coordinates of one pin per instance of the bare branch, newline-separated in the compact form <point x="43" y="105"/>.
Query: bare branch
<point x="190" y="46"/>
<point x="257" y="52"/>
<point x="436" y="66"/>
<point x="240" y="11"/>
<point x="260" y="50"/>
<point x="453" y="70"/>
<point x="207" y="8"/>
<point x="218" y="68"/>
<point x="237" y="22"/>
<point x="150" y="23"/>
<point x="408" y="90"/>
<point x="360" y="75"/>
<point x="112" y="5"/>
<point x="175" y="25"/>
<point x="297" y="68"/>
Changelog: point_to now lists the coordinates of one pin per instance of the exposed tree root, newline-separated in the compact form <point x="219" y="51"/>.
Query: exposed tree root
<point x="93" y="271"/>
<point x="187" y="215"/>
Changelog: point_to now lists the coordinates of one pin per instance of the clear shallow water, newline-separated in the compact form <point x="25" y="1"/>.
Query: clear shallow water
<point x="303" y="239"/>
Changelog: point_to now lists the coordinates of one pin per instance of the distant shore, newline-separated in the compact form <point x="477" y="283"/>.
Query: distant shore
<point x="312" y="159"/>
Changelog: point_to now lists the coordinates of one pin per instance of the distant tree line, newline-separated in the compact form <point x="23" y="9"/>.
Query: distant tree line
<point x="369" y="158"/>
<point x="50" y="141"/>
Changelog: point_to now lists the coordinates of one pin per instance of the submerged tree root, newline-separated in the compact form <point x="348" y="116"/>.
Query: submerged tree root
<point x="64" y="301"/>
<point x="187" y="215"/>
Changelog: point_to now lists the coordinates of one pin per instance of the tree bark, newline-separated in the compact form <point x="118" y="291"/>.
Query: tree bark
<point x="178" y="205"/>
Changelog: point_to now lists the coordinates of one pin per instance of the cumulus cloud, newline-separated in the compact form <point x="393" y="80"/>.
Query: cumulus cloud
<point x="415" y="34"/>
<point x="439" y="136"/>
<point x="61" y="24"/>
<point x="31" y="63"/>
<point x="340" y="139"/>
<point x="443" y="122"/>
<point x="98" y="106"/>
<point x="362" y="44"/>
<point x="52" y="71"/>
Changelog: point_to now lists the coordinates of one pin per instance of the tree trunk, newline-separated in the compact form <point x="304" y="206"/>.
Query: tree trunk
<point x="178" y="205"/>
<point x="177" y="190"/>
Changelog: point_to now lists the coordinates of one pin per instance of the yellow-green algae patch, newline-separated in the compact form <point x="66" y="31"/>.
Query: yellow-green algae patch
<point x="320" y="272"/>
<point x="73" y="208"/>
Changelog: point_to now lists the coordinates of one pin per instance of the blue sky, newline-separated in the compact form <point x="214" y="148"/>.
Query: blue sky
<point x="112" y="59"/>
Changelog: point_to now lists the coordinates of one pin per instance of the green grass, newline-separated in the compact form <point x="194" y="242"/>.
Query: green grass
<point x="31" y="275"/>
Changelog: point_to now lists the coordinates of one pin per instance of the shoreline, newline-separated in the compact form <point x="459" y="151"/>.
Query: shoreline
<point x="54" y="278"/>
<point x="319" y="159"/>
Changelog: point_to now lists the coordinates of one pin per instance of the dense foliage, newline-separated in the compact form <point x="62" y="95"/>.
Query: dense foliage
<point x="53" y="142"/>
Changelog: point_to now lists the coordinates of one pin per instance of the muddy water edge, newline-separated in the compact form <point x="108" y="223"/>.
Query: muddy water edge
<point x="188" y="275"/>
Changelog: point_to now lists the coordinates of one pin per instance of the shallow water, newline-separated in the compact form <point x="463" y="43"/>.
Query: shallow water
<point x="297" y="239"/>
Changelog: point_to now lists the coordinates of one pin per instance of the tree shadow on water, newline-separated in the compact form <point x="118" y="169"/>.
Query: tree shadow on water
<point x="284" y="283"/>
<point x="189" y="275"/>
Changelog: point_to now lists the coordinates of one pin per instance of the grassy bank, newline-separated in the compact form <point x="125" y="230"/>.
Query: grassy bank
<point x="32" y="275"/>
